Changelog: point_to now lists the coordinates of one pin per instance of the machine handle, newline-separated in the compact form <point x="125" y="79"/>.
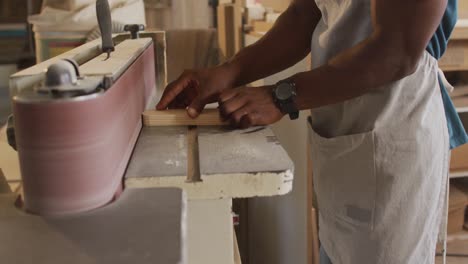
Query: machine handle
<point x="134" y="30"/>
<point x="105" y="25"/>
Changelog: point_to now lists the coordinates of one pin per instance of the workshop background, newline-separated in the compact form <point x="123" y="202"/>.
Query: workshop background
<point x="200" y="33"/>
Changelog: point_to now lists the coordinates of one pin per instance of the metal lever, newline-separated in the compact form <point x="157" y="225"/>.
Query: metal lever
<point x="134" y="30"/>
<point x="105" y="26"/>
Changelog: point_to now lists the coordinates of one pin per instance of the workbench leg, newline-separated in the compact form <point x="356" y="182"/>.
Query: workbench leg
<point x="210" y="232"/>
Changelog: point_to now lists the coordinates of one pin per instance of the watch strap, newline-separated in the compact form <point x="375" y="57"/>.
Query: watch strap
<point x="287" y="106"/>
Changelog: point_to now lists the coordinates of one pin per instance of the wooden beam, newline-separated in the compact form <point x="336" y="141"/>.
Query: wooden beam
<point x="230" y="29"/>
<point x="312" y="222"/>
<point x="179" y="117"/>
<point x="226" y="31"/>
<point x="314" y="251"/>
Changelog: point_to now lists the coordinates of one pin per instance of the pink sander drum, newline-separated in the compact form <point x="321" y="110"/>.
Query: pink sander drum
<point x="74" y="135"/>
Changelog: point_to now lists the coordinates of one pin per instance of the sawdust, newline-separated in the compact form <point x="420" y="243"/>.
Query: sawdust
<point x="172" y="162"/>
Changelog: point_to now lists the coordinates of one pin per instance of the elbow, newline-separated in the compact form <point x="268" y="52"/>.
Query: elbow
<point x="406" y="66"/>
<point x="400" y="56"/>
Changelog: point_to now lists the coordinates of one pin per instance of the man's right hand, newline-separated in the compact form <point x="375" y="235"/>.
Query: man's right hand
<point x="196" y="88"/>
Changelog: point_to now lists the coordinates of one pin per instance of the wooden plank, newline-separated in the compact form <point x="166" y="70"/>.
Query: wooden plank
<point x="193" y="159"/>
<point x="179" y="117"/>
<point x="230" y="29"/>
<point x="238" y="29"/>
<point x="129" y="230"/>
<point x="460" y="102"/>
<point x="226" y="38"/>
<point x="459" y="91"/>
<point x="310" y="207"/>
<point x="460" y="173"/>
<point x="312" y="220"/>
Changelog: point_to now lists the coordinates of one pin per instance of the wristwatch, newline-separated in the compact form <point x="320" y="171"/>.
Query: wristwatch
<point x="284" y="93"/>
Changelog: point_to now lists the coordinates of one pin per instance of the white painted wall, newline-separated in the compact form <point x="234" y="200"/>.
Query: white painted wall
<point x="278" y="225"/>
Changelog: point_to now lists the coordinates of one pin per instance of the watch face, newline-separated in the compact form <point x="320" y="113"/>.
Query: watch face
<point x="283" y="91"/>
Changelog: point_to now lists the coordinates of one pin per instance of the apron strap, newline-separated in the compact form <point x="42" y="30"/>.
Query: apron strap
<point x="447" y="85"/>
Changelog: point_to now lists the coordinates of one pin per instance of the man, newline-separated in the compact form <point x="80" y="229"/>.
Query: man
<point x="379" y="124"/>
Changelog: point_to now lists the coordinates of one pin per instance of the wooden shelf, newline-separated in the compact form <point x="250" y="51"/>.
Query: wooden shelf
<point x="460" y="236"/>
<point x="458" y="174"/>
<point x="461" y="30"/>
<point x="462" y="109"/>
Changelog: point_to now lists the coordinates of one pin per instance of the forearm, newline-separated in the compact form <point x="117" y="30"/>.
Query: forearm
<point x="284" y="45"/>
<point x="391" y="53"/>
<point x="354" y="72"/>
<point x="402" y="30"/>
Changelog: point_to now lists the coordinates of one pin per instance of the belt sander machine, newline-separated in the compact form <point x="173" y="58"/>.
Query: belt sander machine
<point x="77" y="127"/>
<point x="76" y="118"/>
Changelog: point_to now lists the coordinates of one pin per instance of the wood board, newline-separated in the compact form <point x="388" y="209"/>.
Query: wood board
<point x="313" y="243"/>
<point x="179" y="117"/>
<point x="277" y="5"/>
<point x="459" y="91"/>
<point x="233" y="163"/>
<point x="225" y="20"/>
<point x="229" y="19"/>
<point x="127" y="231"/>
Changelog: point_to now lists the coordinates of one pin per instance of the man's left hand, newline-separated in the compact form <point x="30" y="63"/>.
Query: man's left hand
<point x="249" y="106"/>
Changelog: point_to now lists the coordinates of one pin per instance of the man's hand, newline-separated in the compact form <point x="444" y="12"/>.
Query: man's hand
<point x="249" y="106"/>
<point x="194" y="89"/>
